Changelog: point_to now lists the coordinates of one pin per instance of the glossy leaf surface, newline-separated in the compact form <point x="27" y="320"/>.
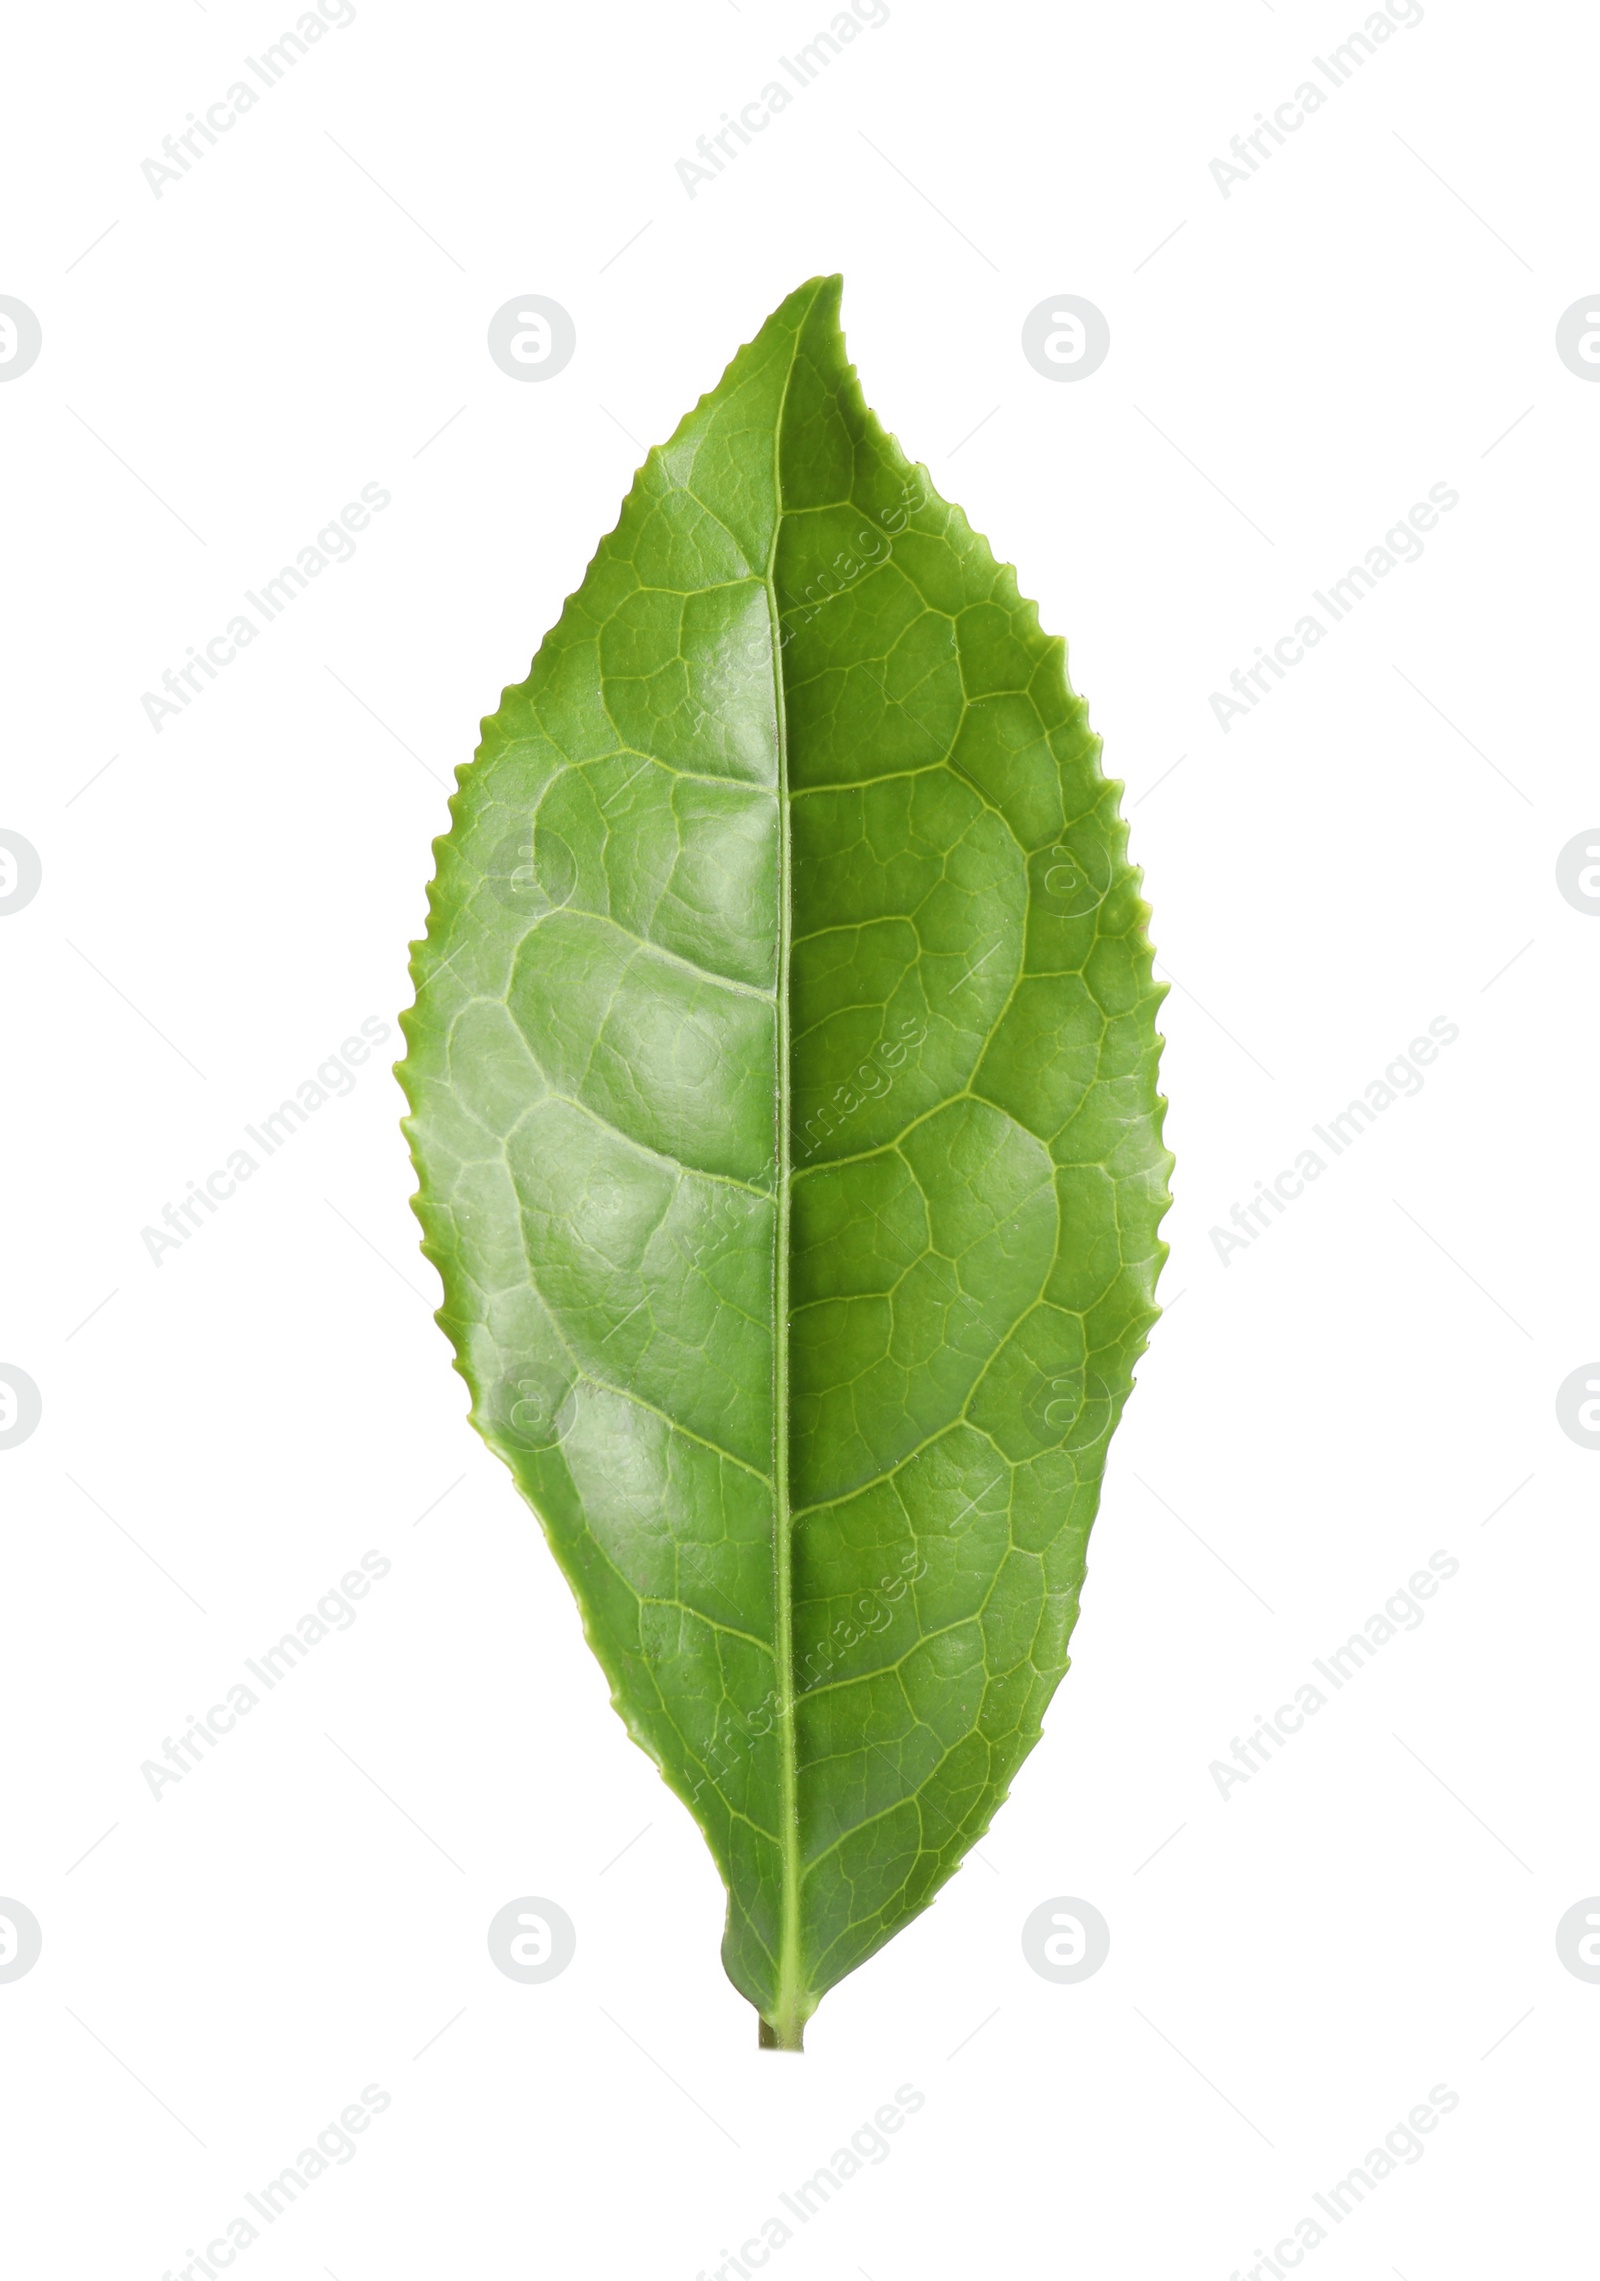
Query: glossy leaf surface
<point x="783" y="1088"/>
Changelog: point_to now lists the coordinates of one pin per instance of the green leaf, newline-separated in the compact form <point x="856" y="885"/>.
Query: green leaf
<point x="783" y="1089"/>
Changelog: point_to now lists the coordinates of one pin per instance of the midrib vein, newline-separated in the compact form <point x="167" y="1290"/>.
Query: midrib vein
<point x="789" y="1973"/>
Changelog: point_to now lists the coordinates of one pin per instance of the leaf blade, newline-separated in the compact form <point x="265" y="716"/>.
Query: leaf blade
<point x="816" y="828"/>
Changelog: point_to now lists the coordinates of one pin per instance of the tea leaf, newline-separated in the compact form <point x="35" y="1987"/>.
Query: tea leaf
<point x="783" y="1089"/>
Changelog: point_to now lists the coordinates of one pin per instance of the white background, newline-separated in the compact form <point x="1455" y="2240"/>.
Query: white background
<point x="1371" y="313"/>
